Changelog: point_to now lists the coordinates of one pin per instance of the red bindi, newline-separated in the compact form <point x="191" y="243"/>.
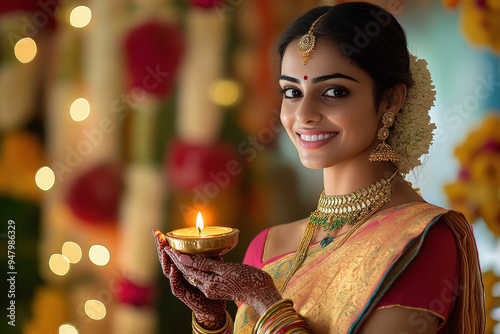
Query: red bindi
<point x="305" y="77"/>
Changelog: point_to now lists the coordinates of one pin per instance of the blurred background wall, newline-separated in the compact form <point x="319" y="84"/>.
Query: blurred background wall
<point x="120" y="116"/>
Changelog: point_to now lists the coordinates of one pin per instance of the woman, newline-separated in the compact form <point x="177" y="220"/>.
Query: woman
<point x="374" y="257"/>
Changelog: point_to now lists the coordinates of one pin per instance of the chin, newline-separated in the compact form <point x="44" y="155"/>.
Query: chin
<point x="313" y="164"/>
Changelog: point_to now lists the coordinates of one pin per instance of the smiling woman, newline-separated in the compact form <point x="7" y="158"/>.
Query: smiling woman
<point x="339" y="105"/>
<point x="374" y="257"/>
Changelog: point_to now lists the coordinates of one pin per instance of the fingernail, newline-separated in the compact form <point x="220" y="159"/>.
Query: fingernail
<point x="186" y="260"/>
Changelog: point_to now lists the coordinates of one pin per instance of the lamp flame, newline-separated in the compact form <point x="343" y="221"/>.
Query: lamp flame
<point x="199" y="222"/>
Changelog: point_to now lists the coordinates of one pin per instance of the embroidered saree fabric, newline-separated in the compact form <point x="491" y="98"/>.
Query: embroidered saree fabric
<point x="336" y="290"/>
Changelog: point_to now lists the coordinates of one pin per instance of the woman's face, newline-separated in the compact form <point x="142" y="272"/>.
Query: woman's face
<point x="328" y="107"/>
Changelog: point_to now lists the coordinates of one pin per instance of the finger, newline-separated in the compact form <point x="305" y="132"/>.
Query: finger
<point x="177" y="283"/>
<point x="160" y="238"/>
<point x="175" y="258"/>
<point x="209" y="265"/>
<point x="198" y="262"/>
<point x="209" y="284"/>
<point x="181" y="288"/>
<point x="161" y="243"/>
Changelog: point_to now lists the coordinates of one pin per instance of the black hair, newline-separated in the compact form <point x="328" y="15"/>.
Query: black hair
<point x="366" y="34"/>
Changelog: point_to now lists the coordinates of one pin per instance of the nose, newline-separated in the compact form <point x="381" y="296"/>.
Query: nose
<point x="308" y="111"/>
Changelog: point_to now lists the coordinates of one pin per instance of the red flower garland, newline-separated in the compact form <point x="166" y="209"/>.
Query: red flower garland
<point x="95" y="195"/>
<point x="206" y="3"/>
<point x="193" y="165"/>
<point x="154" y="51"/>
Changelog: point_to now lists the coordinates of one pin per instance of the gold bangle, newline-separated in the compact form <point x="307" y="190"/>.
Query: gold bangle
<point x="281" y="318"/>
<point x="274" y="307"/>
<point x="276" y="323"/>
<point x="226" y="329"/>
<point x="287" y="319"/>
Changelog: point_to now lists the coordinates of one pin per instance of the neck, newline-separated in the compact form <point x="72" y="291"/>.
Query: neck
<point x="346" y="178"/>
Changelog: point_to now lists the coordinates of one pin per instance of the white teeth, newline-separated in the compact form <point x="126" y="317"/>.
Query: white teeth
<point x="316" y="137"/>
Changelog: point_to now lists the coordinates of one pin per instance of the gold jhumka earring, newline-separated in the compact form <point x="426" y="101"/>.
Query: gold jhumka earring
<point x="307" y="42"/>
<point x="384" y="152"/>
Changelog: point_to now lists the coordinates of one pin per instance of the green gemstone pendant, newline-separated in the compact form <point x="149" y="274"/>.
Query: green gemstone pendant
<point x="326" y="241"/>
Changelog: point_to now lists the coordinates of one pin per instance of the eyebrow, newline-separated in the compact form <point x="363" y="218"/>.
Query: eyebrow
<point x="318" y="79"/>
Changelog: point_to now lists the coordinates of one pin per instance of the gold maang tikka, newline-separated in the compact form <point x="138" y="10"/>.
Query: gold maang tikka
<point x="307" y="42"/>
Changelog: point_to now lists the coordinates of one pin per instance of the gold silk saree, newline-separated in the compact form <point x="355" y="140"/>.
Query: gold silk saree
<point x="335" y="291"/>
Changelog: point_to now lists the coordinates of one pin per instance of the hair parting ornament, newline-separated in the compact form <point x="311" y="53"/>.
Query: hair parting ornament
<point x="307" y="42"/>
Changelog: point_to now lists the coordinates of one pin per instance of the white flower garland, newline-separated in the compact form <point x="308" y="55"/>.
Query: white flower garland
<point x="412" y="135"/>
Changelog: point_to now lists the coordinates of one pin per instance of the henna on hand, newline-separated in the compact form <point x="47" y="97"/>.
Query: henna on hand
<point x="161" y="242"/>
<point x="210" y="314"/>
<point x="228" y="281"/>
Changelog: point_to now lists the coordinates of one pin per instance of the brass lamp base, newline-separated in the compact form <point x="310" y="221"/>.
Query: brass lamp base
<point x="204" y="245"/>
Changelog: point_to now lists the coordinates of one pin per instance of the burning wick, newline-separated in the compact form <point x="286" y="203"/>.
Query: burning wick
<point x="199" y="223"/>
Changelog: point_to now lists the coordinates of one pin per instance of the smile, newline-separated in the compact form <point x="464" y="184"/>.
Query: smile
<point x="316" y="137"/>
<point x="317" y="140"/>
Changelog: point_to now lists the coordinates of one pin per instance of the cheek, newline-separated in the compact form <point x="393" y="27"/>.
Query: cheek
<point x="361" y="121"/>
<point x="286" y="117"/>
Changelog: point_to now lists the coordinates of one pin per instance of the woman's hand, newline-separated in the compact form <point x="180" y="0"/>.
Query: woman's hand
<point x="211" y="314"/>
<point x="228" y="281"/>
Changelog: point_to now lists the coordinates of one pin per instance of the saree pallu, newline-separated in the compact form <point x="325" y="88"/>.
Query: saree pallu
<point x="335" y="291"/>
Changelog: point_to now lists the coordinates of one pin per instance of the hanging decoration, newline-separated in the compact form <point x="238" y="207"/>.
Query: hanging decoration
<point x="94" y="196"/>
<point x="199" y="119"/>
<point x="206" y="3"/>
<point x="154" y="52"/>
<point x="480" y="21"/>
<point x="136" y="295"/>
<point x="190" y="166"/>
<point x="476" y="192"/>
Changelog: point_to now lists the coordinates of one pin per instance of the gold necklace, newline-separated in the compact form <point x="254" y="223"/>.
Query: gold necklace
<point x="335" y="211"/>
<point x="300" y="255"/>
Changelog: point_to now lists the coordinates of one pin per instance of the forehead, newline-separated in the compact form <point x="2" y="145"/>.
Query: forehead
<point x="325" y="59"/>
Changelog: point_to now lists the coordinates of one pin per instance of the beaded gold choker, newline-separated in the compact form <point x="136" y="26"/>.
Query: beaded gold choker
<point x="333" y="212"/>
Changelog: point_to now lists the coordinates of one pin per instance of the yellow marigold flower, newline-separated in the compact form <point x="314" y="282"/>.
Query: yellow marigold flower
<point x="490" y="212"/>
<point x="48" y="319"/>
<point x="485" y="168"/>
<point x="20" y="158"/>
<point x="478" y="139"/>
<point x="459" y="195"/>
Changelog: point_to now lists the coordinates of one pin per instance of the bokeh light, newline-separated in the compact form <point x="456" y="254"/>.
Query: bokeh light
<point x="495" y="313"/>
<point x="67" y="329"/>
<point x="95" y="309"/>
<point x="25" y="50"/>
<point x="224" y="92"/>
<point x="72" y="251"/>
<point x="79" y="110"/>
<point x="59" y="264"/>
<point x="80" y="16"/>
<point x="99" y="255"/>
<point x="45" y="178"/>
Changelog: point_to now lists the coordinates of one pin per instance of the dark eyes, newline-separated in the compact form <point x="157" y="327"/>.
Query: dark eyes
<point x="336" y="92"/>
<point x="290" y="93"/>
